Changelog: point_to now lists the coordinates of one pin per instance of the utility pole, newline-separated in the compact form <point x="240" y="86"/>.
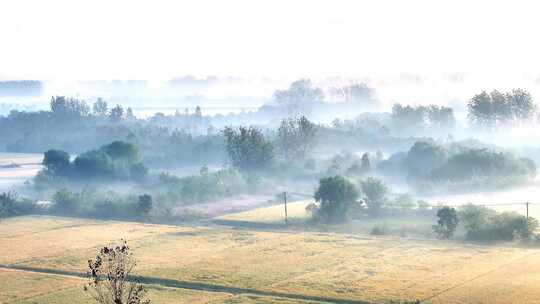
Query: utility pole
<point x="285" y="201"/>
<point x="527" y="204"/>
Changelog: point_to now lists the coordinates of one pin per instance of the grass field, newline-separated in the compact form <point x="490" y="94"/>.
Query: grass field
<point x="271" y="215"/>
<point x="310" y="264"/>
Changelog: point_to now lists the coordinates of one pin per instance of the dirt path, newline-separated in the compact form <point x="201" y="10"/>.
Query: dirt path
<point x="194" y="286"/>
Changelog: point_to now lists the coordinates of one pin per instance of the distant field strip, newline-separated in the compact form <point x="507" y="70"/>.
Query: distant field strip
<point x="191" y="285"/>
<point x="268" y="215"/>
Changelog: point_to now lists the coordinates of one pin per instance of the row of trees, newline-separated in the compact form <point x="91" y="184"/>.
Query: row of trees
<point x="458" y="165"/>
<point x="250" y="150"/>
<point x="416" y="118"/>
<point x="114" y="160"/>
<point x="496" y="109"/>
<point x="71" y="108"/>
<point x="484" y="224"/>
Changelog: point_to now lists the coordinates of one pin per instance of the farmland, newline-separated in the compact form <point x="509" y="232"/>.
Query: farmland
<point x="303" y="265"/>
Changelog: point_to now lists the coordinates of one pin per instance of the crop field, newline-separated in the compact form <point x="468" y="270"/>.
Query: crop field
<point x="294" y="266"/>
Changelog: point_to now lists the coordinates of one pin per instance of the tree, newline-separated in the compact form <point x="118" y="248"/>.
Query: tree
<point x="406" y="118"/>
<point x="496" y="108"/>
<point x="116" y="113"/>
<point x="447" y="222"/>
<point x="94" y="164"/>
<point x="337" y="196"/>
<point x="100" y="107"/>
<point x="480" y="110"/>
<point x="522" y="104"/>
<point x="375" y="191"/>
<point x="7" y="204"/>
<point x="56" y="162"/>
<point x="63" y="108"/>
<point x="365" y="165"/>
<point x="423" y="157"/>
<point x="129" y="114"/>
<point x="109" y="276"/>
<point x="65" y="202"/>
<point x="247" y="148"/>
<point x="358" y="93"/>
<point x="300" y="98"/>
<point x="121" y="150"/>
<point x="296" y="137"/>
<point x="440" y="117"/>
<point x="144" y="205"/>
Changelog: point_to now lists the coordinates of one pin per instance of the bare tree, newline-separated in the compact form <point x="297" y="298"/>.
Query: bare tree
<point x="109" y="277"/>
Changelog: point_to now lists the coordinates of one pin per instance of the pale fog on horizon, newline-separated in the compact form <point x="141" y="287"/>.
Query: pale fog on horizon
<point x="269" y="151"/>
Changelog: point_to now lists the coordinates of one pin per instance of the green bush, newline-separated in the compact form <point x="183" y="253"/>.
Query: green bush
<point x="483" y="224"/>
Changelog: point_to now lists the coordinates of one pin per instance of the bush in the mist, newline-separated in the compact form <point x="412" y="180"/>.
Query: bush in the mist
<point x="484" y="224"/>
<point x="481" y="163"/>
<point x="203" y="187"/>
<point x="56" y="162"/>
<point x="375" y="194"/>
<point x="423" y="157"/>
<point x="447" y="222"/>
<point x="117" y="160"/>
<point x="337" y="197"/>
<point x="66" y="202"/>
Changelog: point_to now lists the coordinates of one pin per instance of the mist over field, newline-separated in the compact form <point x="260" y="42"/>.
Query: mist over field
<point x="269" y="152"/>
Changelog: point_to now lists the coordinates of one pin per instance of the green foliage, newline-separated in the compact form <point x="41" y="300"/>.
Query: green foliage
<point x="423" y="157"/>
<point x="495" y="109"/>
<point x="337" y="197"/>
<point x="296" y="138"/>
<point x="375" y="192"/>
<point x="447" y="222"/>
<point x="66" y="202"/>
<point x="300" y="98"/>
<point x="144" y="205"/>
<point x="483" y="224"/>
<point x="94" y="164"/>
<point x="56" y="162"/>
<point x="122" y="151"/>
<point x="120" y="160"/>
<point x="248" y="149"/>
<point x="8" y="202"/>
<point x="484" y="164"/>
<point x="413" y="119"/>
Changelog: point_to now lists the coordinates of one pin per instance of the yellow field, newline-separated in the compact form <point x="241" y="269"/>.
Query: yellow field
<point x="310" y="264"/>
<point x="273" y="214"/>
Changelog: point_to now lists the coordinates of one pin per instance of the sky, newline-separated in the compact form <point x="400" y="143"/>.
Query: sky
<point x="83" y="40"/>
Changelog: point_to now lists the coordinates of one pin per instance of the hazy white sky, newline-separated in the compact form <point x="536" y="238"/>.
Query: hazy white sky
<point x="69" y="39"/>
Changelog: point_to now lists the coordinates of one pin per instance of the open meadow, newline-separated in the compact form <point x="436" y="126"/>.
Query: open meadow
<point x="222" y="265"/>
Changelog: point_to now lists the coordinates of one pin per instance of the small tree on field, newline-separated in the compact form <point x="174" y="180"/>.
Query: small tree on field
<point x="7" y="203"/>
<point x="144" y="205"/>
<point x="109" y="277"/>
<point x="447" y="222"/>
<point x="375" y="191"/>
<point x="337" y="196"/>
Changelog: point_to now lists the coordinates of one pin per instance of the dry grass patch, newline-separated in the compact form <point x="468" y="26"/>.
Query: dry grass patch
<point x="273" y="214"/>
